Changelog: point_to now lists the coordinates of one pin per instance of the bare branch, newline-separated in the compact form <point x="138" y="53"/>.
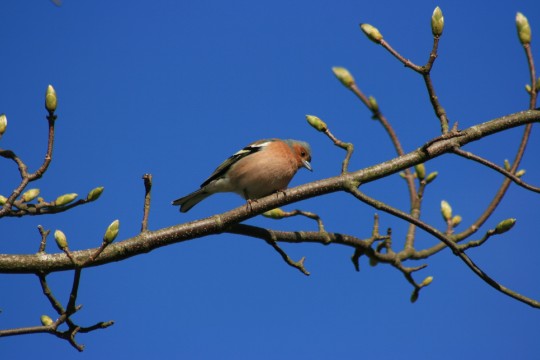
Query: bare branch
<point x="146" y="210"/>
<point x="508" y="174"/>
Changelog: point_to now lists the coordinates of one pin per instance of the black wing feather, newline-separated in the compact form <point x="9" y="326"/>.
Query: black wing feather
<point x="226" y="165"/>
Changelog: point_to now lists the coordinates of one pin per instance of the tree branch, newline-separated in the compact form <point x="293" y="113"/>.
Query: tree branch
<point x="151" y="240"/>
<point x="448" y="241"/>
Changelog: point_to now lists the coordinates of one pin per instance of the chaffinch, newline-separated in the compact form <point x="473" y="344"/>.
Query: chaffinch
<point x="259" y="169"/>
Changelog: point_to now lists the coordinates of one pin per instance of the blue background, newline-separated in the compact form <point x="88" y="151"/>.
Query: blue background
<point x="174" y="87"/>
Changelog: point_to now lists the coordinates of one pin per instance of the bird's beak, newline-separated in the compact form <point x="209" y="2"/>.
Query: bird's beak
<point x="307" y="165"/>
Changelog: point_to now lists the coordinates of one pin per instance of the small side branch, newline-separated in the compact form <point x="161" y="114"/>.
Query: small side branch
<point x="295" y="264"/>
<point x="489" y="164"/>
<point x="146" y="210"/>
<point x="26" y="177"/>
<point x="278" y="213"/>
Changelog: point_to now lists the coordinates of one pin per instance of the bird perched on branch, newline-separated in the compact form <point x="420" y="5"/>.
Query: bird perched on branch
<point x="259" y="169"/>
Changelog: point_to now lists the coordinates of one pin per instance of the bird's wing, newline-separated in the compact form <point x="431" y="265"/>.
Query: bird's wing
<point x="226" y="165"/>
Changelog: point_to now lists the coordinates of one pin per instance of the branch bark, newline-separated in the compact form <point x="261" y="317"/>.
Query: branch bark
<point x="151" y="240"/>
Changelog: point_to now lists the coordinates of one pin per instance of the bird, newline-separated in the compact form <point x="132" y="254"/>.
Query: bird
<point x="259" y="169"/>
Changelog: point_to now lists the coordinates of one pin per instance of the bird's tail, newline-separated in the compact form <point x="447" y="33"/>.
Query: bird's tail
<point x="189" y="201"/>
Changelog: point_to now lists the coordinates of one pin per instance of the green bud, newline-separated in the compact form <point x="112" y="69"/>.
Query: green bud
<point x="528" y="88"/>
<point x="446" y="210"/>
<point x="65" y="199"/>
<point x="505" y="225"/>
<point x="30" y="195"/>
<point x="437" y="22"/>
<point x="60" y="239"/>
<point x="3" y="199"/>
<point x="456" y="220"/>
<point x="372" y="33"/>
<point x="3" y="124"/>
<point x="538" y="85"/>
<point x="523" y="28"/>
<point x="520" y="173"/>
<point x="112" y="232"/>
<point x="426" y="281"/>
<point x="373" y="104"/>
<point x="94" y="194"/>
<point x="414" y="295"/>
<point x="317" y="123"/>
<point x="50" y="99"/>
<point x="343" y="75"/>
<point x="46" y="320"/>
<point x="420" y="171"/>
<point x="276" y="213"/>
<point x="431" y="177"/>
<point x="402" y="174"/>
<point x="507" y="165"/>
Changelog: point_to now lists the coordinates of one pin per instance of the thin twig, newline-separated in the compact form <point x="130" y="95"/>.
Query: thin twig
<point x="348" y="147"/>
<point x="408" y="63"/>
<point x="295" y="264"/>
<point x="44" y="233"/>
<point x="532" y="72"/>
<point x="285" y="214"/>
<point x="508" y="174"/>
<point x="476" y="243"/>
<point x="146" y="209"/>
<point x="95" y="255"/>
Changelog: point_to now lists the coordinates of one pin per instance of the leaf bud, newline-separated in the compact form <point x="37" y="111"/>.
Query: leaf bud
<point x="420" y="171"/>
<point x="276" y="213"/>
<point x="50" y="99"/>
<point x="65" y="199"/>
<point x="112" y="232"/>
<point x="431" y="177"/>
<point x="456" y="220"/>
<point x="373" y="105"/>
<point x="426" y="281"/>
<point x="3" y="124"/>
<point x="46" y="320"/>
<point x="343" y="75"/>
<point x="446" y="210"/>
<point x="316" y="123"/>
<point x="505" y="225"/>
<point x="3" y="199"/>
<point x="520" y="173"/>
<point x="523" y="28"/>
<point x="60" y="239"/>
<point x="94" y="194"/>
<point x="30" y="195"/>
<point x="372" y="33"/>
<point x="437" y="22"/>
<point x="507" y="166"/>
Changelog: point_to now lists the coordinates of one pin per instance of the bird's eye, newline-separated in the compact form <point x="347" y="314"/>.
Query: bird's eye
<point x="303" y="153"/>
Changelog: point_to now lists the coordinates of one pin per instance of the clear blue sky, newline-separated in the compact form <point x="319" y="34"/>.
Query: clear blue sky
<point x="174" y="87"/>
